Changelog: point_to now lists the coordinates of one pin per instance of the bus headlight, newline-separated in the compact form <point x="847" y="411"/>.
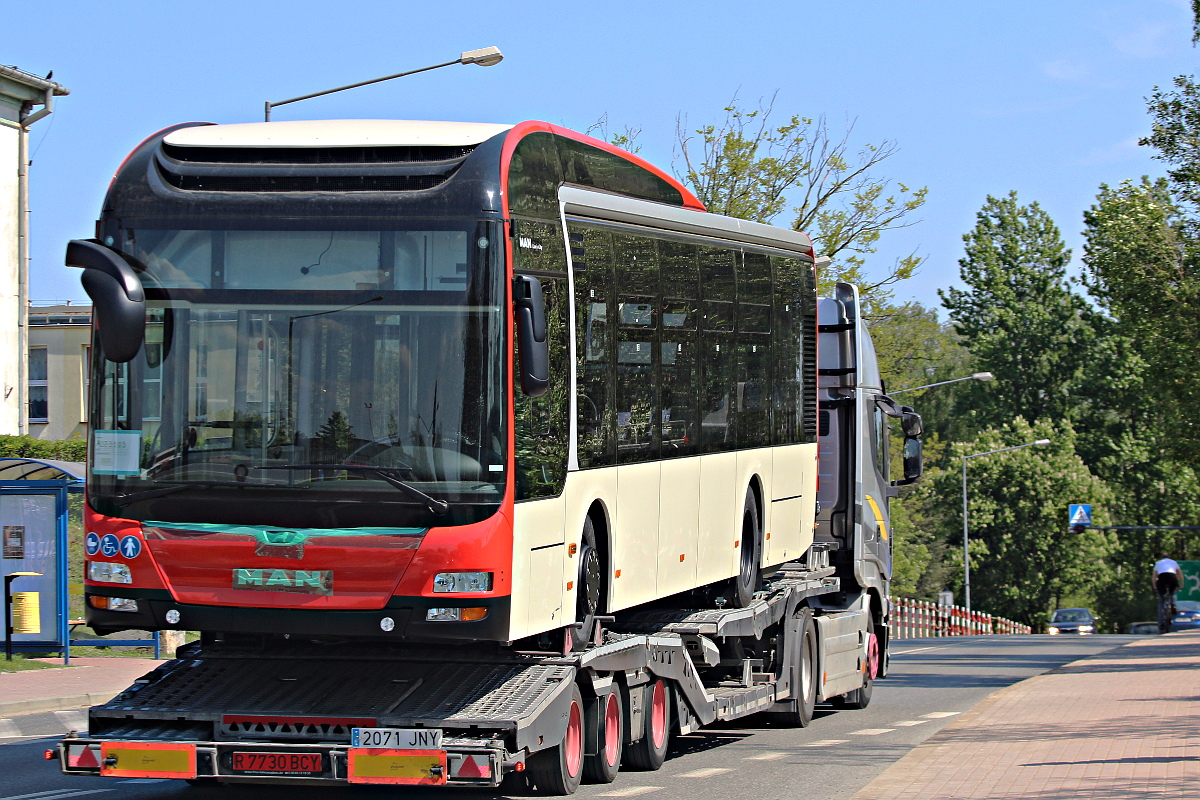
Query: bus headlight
<point x="455" y="614"/>
<point x="462" y="582"/>
<point x="109" y="572"/>
<point x="113" y="603"/>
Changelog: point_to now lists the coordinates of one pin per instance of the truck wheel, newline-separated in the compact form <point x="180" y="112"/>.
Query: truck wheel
<point x="610" y="741"/>
<point x="558" y="770"/>
<point x="861" y="698"/>
<point x="588" y="584"/>
<point x="649" y="752"/>
<point x="749" y="572"/>
<point x="804" y="667"/>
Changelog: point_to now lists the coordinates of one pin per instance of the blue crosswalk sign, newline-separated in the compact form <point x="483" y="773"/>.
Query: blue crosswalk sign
<point x="91" y="543"/>
<point x="1079" y="514"/>
<point x="131" y="546"/>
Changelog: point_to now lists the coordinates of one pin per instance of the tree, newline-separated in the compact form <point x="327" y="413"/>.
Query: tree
<point x="1017" y="315"/>
<point x="1024" y="557"/>
<point x="335" y="439"/>
<point x="748" y="167"/>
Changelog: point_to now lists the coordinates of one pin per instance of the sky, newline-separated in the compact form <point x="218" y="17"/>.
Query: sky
<point x="981" y="97"/>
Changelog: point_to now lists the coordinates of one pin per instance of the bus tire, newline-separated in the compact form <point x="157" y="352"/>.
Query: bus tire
<point x="804" y="672"/>
<point x="589" y="587"/>
<point x="609" y="724"/>
<point x="650" y="751"/>
<point x="557" y="770"/>
<point x="860" y="698"/>
<point x="749" y="575"/>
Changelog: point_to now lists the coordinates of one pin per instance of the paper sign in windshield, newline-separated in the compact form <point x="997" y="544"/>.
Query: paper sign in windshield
<point x="116" y="452"/>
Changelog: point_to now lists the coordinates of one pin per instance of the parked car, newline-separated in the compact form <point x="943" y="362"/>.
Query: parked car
<point x="1072" y="620"/>
<point x="1142" y="628"/>
<point x="1187" y="615"/>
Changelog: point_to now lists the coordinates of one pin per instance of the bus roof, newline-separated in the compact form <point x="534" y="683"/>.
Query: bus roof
<point x="337" y="133"/>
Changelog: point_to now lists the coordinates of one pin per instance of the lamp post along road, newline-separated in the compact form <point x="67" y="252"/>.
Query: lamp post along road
<point x="966" y="539"/>
<point x="978" y="376"/>
<point x="484" y="57"/>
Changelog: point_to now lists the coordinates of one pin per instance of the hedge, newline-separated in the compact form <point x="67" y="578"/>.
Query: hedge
<point x="29" y="447"/>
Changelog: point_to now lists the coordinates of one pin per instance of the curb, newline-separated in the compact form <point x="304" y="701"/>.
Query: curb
<point x="40" y="705"/>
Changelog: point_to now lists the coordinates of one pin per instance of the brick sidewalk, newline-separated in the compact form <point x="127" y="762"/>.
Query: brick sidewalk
<point x="1122" y="724"/>
<point x="86" y="682"/>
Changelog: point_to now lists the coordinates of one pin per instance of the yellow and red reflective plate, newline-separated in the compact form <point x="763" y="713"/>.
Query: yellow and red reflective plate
<point x="148" y="760"/>
<point x="426" y="767"/>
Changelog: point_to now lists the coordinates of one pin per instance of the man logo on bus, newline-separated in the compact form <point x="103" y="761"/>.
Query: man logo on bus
<point x="315" y="581"/>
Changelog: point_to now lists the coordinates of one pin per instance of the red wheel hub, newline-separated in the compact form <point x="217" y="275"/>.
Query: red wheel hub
<point x="873" y="657"/>
<point x="658" y="714"/>
<point x="573" y="741"/>
<point x="612" y="731"/>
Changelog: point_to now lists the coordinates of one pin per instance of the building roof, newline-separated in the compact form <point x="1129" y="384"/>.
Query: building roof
<point x="39" y="469"/>
<point x="24" y="79"/>
<point x="337" y="133"/>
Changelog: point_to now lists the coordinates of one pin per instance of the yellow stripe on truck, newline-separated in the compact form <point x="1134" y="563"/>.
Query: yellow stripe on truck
<point x="883" y="531"/>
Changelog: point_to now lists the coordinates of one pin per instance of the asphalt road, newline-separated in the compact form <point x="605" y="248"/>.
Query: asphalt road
<point x="932" y="681"/>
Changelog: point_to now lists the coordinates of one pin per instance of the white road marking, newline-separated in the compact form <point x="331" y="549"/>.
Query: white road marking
<point x="941" y="714"/>
<point x="770" y="756"/>
<point x="820" y="743"/>
<point x="74" y="720"/>
<point x="55" y="795"/>
<point x="632" y="791"/>
<point x="919" y="650"/>
<point x="908" y="723"/>
<point x="9" y="729"/>
<point x="871" y="731"/>
<point x="706" y="772"/>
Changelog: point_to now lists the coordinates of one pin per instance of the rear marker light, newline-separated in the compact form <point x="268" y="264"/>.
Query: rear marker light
<point x="49" y="755"/>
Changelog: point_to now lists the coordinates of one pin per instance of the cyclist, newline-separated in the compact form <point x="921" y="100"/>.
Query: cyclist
<point x="1167" y="579"/>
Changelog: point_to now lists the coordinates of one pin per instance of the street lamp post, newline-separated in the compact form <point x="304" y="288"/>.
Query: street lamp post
<point x="484" y="57"/>
<point x="978" y="376"/>
<point x="966" y="540"/>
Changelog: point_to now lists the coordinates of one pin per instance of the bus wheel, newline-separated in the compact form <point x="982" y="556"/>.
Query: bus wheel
<point x="861" y="698"/>
<point x="558" y="770"/>
<point x="749" y="572"/>
<point x="610" y="741"/>
<point x="588" y="582"/>
<point x="804" y="670"/>
<point x="650" y="751"/>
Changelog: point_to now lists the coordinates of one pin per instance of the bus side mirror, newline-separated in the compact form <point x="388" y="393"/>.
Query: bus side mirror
<point x="913" y="461"/>
<point x="533" y="345"/>
<point x="910" y="422"/>
<point x="117" y="295"/>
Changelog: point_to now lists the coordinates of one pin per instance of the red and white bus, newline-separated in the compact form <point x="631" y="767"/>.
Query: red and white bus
<point x="429" y="381"/>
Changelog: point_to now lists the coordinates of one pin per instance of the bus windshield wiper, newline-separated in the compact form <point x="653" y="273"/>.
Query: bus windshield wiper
<point x="434" y="505"/>
<point x="123" y="500"/>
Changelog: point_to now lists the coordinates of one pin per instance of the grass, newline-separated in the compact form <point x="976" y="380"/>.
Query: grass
<point x="20" y="663"/>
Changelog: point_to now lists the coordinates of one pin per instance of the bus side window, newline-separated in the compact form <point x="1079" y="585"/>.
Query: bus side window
<point x="637" y="401"/>
<point x="591" y="256"/>
<point x="718" y="400"/>
<point x="754" y="339"/>
<point x="788" y="342"/>
<point x="679" y="375"/>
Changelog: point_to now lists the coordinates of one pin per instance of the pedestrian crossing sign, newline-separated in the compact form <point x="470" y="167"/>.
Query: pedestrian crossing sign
<point x="1079" y="514"/>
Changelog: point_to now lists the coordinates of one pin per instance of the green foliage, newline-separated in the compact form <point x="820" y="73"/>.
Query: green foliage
<point x="29" y="447"/>
<point x="1018" y="316"/>
<point x="335" y="439"/>
<point x="749" y="167"/>
<point x="1024" y="557"/>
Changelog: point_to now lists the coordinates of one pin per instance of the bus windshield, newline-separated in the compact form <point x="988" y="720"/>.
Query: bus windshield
<point x="353" y="378"/>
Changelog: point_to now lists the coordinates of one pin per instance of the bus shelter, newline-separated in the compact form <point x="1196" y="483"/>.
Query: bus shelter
<point x="33" y="530"/>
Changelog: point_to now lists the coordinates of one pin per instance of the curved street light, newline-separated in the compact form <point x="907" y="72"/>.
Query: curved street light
<point x="484" y="57"/>
<point x="978" y="376"/>
<point x="966" y="551"/>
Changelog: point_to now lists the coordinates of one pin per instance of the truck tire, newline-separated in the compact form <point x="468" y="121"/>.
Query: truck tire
<point x="650" y="751"/>
<point x="589" y="586"/>
<point x="609" y="724"/>
<point x="749" y="575"/>
<point x="557" y="770"/>
<point x="804" y="671"/>
<point x="861" y="698"/>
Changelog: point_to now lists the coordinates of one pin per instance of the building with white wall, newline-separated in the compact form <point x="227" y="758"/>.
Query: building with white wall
<point x="24" y="99"/>
<point x="60" y="338"/>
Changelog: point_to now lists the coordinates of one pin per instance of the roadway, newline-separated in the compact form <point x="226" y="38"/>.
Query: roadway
<point x="931" y="682"/>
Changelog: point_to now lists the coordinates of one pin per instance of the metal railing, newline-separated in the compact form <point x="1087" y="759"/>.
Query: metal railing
<point x="912" y="619"/>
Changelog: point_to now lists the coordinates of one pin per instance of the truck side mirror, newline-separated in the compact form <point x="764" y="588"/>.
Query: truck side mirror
<point x="910" y="422"/>
<point x="533" y="346"/>
<point x="914" y="462"/>
<point x="117" y="295"/>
